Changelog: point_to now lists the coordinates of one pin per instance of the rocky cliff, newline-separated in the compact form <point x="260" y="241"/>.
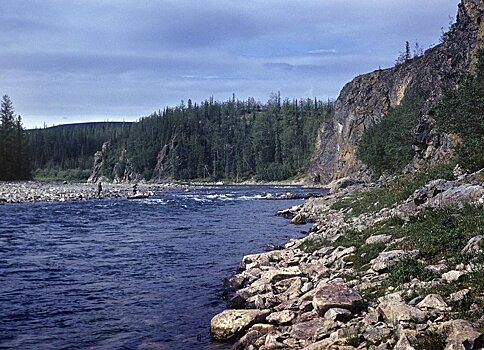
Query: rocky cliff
<point x="122" y="171"/>
<point x="99" y="159"/>
<point x="367" y="99"/>
<point x="164" y="162"/>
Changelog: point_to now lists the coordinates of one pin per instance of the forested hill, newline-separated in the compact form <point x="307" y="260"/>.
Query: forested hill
<point x="235" y="140"/>
<point x="66" y="151"/>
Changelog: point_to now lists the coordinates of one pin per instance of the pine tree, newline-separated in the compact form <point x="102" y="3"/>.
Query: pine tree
<point x="14" y="158"/>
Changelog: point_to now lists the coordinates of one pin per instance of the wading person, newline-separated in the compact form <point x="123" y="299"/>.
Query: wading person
<point x="99" y="188"/>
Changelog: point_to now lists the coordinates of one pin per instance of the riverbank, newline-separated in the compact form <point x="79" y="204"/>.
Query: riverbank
<point x="37" y="191"/>
<point x="56" y="191"/>
<point x="399" y="267"/>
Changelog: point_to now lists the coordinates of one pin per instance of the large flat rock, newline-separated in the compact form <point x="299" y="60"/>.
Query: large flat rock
<point x="337" y="296"/>
<point x="231" y="323"/>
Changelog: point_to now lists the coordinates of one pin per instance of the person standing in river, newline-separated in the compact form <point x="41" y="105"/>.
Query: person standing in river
<point x="99" y="188"/>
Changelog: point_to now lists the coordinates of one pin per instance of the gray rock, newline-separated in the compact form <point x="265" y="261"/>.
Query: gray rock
<point x="461" y="335"/>
<point x="460" y="295"/>
<point x="452" y="276"/>
<point x="307" y="287"/>
<point x="338" y="314"/>
<point x="230" y="323"/>
<point x="433" y="301"/>
<point x="281" y="317"/>
<point x="275" y="275"/>
<point x="396" y="311"/>
<point x="299" y="219"/>
<point x="386" y="259"/>
<point x="378" y="239"/>
<point x="337" y="296"/>
<point x="403" y="343"/>
<point x="474" y="245"/>
<point x="375" y="335"/>
<point x="314" y="329"/>
<point x="340" y="184"/>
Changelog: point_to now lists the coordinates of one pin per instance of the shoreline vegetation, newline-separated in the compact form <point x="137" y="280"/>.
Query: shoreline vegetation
<point x="391" y="266"/>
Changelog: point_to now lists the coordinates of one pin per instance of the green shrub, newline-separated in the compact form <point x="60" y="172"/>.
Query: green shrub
<point x="407" y="269"/>
<point x="442" y="233"/>
<point x="310" y="245"/>
<point x="461" y="111"/>
<point x="429" y="341"/>
<point x="378" y="198"/>
<point x="386" y="147"/>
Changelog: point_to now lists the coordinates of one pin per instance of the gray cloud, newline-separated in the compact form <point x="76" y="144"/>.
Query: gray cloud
<point x="79" y="60"/>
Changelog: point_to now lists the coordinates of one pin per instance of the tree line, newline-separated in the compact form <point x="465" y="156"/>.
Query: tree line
<point x="234" y="140"/>
<point x="14" y="149"/>
<point x="66" y="151"/>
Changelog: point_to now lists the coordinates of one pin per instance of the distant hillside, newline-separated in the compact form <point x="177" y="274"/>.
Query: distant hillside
<point x="80" y="125"/>
<point x="235" y="140"/>
<point x="66" y="151"/>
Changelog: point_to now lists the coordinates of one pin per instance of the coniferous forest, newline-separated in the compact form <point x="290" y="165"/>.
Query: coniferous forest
<point x="235" y="140"/>
<point x="67" y="151"/>
<point x="14" y="150"/>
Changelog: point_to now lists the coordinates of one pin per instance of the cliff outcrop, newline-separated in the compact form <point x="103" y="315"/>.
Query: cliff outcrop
<point x="164" y="162"/>
<point x="99" y="160"/>
<point x="367" y="99"/>
<point x="122" y="172"/>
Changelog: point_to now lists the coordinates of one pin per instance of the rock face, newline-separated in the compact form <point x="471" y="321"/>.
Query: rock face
<point x="97" y="167"/>
<point x="164" y="161"/>
<point x="367" y="99"/>
<point x="124" y="171"/>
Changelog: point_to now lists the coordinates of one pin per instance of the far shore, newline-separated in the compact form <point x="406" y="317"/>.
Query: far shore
<point x="61" y="191"/>
<point x="58" y="191"/>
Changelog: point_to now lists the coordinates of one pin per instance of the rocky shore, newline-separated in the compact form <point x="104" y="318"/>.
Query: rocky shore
<point x="386" y="278"/>
<point x="35" y="191"/>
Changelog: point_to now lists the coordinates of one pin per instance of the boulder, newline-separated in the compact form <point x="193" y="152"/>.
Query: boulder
<point x="264" y="259"/>
<point x="375" y="335"/>
<point x="403" y="343"/>
<point x="459" y="295"/>
<point x="299" y="219"/>
<point x="396" y="311"/>
<point x="461" y="335"/>
<point x="386" y="259"/>
<point x="337" y="296"/>
<point x="378" y="239"/>
<point x="281" y="317"/>
<point x="314" y="329"/>
<point x="340" y="184"/>
<point x="452" y="275"/>
<point x="231" y="323"/>
<point x="474" y="245"/>
<point x="338" y="314"/>
<point x="276" y="275"/>
<point x="433" y="301"/>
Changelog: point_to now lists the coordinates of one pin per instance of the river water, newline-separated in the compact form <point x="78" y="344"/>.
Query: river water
<point x="129" y="274"/>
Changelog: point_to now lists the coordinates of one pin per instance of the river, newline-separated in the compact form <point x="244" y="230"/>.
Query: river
<point x="130" y="274"/>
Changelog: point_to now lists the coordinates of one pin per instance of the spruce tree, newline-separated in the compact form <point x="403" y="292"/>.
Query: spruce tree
<point x="14" y="157"/>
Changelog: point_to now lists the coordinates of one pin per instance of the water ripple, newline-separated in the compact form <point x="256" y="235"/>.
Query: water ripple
<point x="123" y="274"/>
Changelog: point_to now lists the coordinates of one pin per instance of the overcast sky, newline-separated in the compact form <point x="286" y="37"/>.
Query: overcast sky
<point x="65" y="61"/>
